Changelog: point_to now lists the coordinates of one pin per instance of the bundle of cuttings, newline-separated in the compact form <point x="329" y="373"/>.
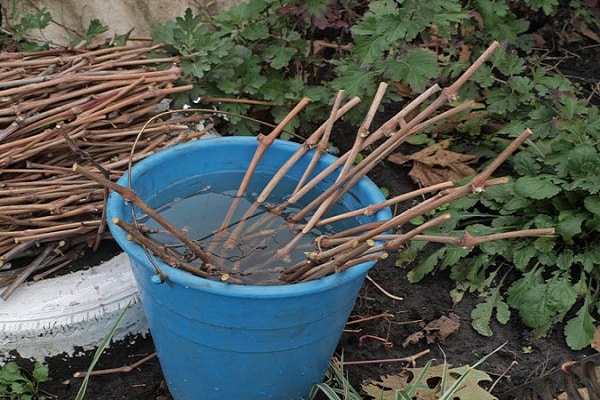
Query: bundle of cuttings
<point x="330" y="253"/>
<point x="66" y="106"/>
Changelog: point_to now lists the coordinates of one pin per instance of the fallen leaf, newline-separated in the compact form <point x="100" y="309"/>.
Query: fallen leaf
<point x="437" y="330"/>
<point x="596" y="340"/>
<point x="436" y="164"/>
<point x="591" y="34"/>
<point x="429" y="388"/>
<point x="413" y="338"/>
<point x="466" y="50"/>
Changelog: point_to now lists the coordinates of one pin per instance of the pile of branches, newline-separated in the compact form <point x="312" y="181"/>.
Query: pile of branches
<point x="66" y="106"/>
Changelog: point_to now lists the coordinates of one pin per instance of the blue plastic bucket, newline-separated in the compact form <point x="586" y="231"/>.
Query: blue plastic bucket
<point x="222" y="341"/>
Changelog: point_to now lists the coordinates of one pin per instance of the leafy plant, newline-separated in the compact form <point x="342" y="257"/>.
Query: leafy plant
<point x="555" y="184"/>
<point x="20" y="25"/>
<point x="268" y="51"/>
<point x="95" y="28"/>
<point x="276" y="52"/>
<point x="18" y="384"/>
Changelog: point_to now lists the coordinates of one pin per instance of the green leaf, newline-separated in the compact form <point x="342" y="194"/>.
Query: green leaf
<point x="521" y="84"/>
<point x="580" y="329"/>
<point x="536" y="187"/>
<point x="426" y="266"/>
<point x="502" y="100"/>
<point x="370" y="50"/>
<point x="589" y="258"/>
<point x="569" y="224"/>
<point x="416" y="68"/>
<point x="584" y="160"/>
<point x="256" y="31"/>
<point x="481" y="315"/>
<point x="541" y="303"/>
<point x="354" y="79"/>
<point x="565" y="259"/>
<point x="10" y="372"/>
<point x="279" y="56"/>
<point x="453" y="255"/>
<point x="40" y="372"/>
<point x="419" y="139"/>
<point x="523" y="254"/>
<point x="95" y="28"/>
<point x="525" y="164"/>
<point x="592" y="204"/>
<point x="546" y="5"/>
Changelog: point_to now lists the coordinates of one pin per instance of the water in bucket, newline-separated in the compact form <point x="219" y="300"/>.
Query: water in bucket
<point x="199" y="206"/>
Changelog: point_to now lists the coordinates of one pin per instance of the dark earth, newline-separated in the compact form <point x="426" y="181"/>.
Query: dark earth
<point x="422" y="303"/>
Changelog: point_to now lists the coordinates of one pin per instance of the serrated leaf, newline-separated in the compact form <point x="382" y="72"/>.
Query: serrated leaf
<point x="541" y="303"/>
<point x="280" y="56"/>
<point x="580" y="330"/>
<point x="415" y="68"/>
<point x="583" y="160"/>
<point x="521" y="84"/>
<point x="590" y="258"/>
<point x="565" y="259"/>
<point x="255" y="31"/>
<point x="523" y="254"/>
<point x="525" y="164"/>
<point x="453" y="254"/>
<point x="355" y="80"/>
<point x="40" y="372"/>
<point x="481" y="315"/>
<point x="536" y="187"/>
<point x="592" y="204"/>
<point x="370" y="50"/>
<point x="95" y="28"/>
<point x="425" y="266"/>
<point x="569" y="223"/>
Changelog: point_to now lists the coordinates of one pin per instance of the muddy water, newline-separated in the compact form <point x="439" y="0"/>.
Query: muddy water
<point x="247" y="245"/>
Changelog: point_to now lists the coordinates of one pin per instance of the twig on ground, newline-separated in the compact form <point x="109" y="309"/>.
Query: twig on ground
<point x="108" y="371"/>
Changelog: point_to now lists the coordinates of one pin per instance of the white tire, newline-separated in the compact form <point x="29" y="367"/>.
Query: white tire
<point x="71" y="312"/>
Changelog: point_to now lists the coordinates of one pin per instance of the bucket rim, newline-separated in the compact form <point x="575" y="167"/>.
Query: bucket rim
<point x="137" y="254"/>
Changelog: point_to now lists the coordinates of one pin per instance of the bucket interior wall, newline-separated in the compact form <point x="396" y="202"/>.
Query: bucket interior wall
<point x="221" y="341"/>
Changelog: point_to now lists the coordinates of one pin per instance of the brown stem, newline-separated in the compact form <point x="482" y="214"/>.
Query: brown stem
<point x="34" y="265"/>
<point x="125" y="368"/>
<point x="264" y="142"/>
<point x="467" y="241"/>
<point x="395" y="140"/>
<point x="132" y="197"/>
<point x="374" y="208"/>
<point x="164" y="253"/>
<point x="336" y="191"/>
<point x="410" y="359"/>
<point x="323" y="144"/>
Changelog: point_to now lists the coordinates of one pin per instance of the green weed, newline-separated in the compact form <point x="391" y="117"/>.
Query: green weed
<point x="18" y="384"/>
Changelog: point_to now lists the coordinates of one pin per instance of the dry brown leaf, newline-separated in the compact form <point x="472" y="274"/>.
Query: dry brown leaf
<point x="591" y="34"/>
<point x="429" y="388"/>
<point x="596" y="340"/>
<point x="466" y="50"/>
<point x="436" y="164"/>
<point x="413" y="338"/>
<point x="437" y="330"/>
